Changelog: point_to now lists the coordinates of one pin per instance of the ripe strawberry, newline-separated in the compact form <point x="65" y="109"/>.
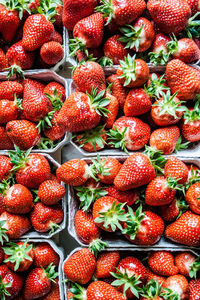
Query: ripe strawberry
<point x="38" y="282"/>
<point x="46" y="218"/>
<point x="170" y="16"/>
<point x="56" y="131"/>
<point x="8" y="90"/>
<point x="19" y="256"/>
<point x="74" y="172"/>
<point x="53" y="86"/>
<point x="137" y="103"/>
<point x="106" y="263"/>
<point x="85" y="227"/>
<point x="194" y="289"/>
<point x="18" y="199"/>
<point x="5" y="167"/>
<point x="23" y="133"/>
<point x="159" y="54"/>
<point x="133" y="72"/>
<point x="136" y="171"/>
<point x="177" y="284"/>
<point x="143" y="228"/>
<point x="118" y="90"/>
<point x="176" y="168"/>
<point x="100" y="290"/>
<point x="8" y="111"/>
<point x="151" y="275"/>
<point x="54" y="293"/>
<point x="44" y="254"/>
<point x="185" y="261"/>
<point x="14" y="225"/>
<point x="57" y="37"/>
<point x="183" y="79"/>
<point x="89" y="76"/>
<point x="194" y="5"/>
<point x="34" y="83"/>
<point x="162" y="263"/>
<point x="113" y="108"/>
<point x="51" y="52"/>
<point x="114" y="49"/>
<point x="108" y="214"/>
<point x="139" y="36"/>
<point x="80" y="266"/>
<point x="165" y="139"/>
<point x="106" y="169"/>
<point x="185" y="230"/>
<point x="11" y="283"/>
<point x="76" y="11"/>
<point x="122" y="14"/>
<point x="131" y="275"/>
<point x="128" y="197"/>
<point x="3" y="60"/>
<point x="192" y="197"/>
<point x="173" y="210"/>
<point x="50" y="192"/>
<point x="129" y="133"/>
<point x="190" y="125"/>
<point x="5" y="141"/>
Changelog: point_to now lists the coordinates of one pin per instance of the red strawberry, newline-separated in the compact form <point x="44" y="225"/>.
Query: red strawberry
<point x="170" y="16"/>
<point x="51" y="52"/>
<point x="52" y="86"/>
<point x="54" y="293"/>
<point x="106" y="263"/>
<point x="5" y="141"/>
<point x="194" y="289"/>
<point x="113" y="108"/>
<point x="118" y="90"/>
<point x="38" y="282"/>
<point x="173" y="210"/>
<point x="122" y="14"/>
<point x="18" y="199"/>
<point x="9" y="19"/>
<point x="159" y="54"/>
<point x="14" y="225"/>
<point x="80" y="266"/>
<point x="129" y="133"/>
<point x="194" y="5"/>
<point x="45" y="218"/>
<point x="185" y="262"/>
<point x="107" y="169"/>
<point x="56" y="131"/>
<point x="36" y="84"/>
<point x="114" y="49"/>
<point x="192" y="197"/>
<point x="162" y="263"/>
<point x="85" y="227"/>
<point x="165" y="139"/>
<point x="185" y="230"/>
<point x="100" y="290"/>
<point x="108" y="214"/>
<point x="8" y="111"/>
<point x="76" y="11"/>
<point x="136" y="171"/>
<point x="176" y="168"/>
<point x="190" y="125"/>
<point x="74" y="172"/>
<point x="137" y="103"/>
<point x="19" y="256"/>
<point x="159" y="279"/>
<point x="57" y="37"/>
<point x="50" y="192"/>
<point x="133" y="72"/>
<point x="183" y="79"/>
<point x="128" y="197"/>
<point x="5" y="167"/>
<point x="44" y="254"/>
<point x="8" y="90"/>
<point x="11" y="283"/>
<point x="143" y="228"/>
<point x="178" y="284"/>
<point x="3" y="60"/>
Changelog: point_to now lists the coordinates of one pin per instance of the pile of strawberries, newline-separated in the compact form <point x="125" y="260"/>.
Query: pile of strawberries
<point x="28" y="112"/>
<point x="31" y="35"/>
<point x="156" y="31"/>
<point x="121" y="275"/>
<point x="28" y="271"/>
<point x="30" y="195"/>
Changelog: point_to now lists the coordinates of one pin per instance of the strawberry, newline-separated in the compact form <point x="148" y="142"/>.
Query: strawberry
<point x="74" y="172"/>
<point x="5" y="141"/>
<point x="176" y="286"/>
<point x="136" y="171"/>
<point x="185" y="261"/>
<point x="162" y="263"/>
<point x="85" y="227"/>
<point x="36" y="84"/>
<point x="106" y="263"/>
<point x="190" y="126"/>
<point x="169" y="15"/>
<point x="137" y="103"/>
<point x="128" y="197"/>
<point x="183" y="79"/>
<point x="87" y="32"/>
<point x="46" y="218"/>
<point x="50" y="192"/>
<point x="5" y="167"/>
<point x="108" y="214"/>
<point x="38" y="282"/>
<point x="177" y="169"/>
<point x="185" y="230"/>
<point x="106" y="169"/>
<point x="192" y="197"/>
<point x="11" y="283"/>
<point x="80" y="266"/>
<point x="8" y="90"/>
<point x="18" y="199"/>
<point x="14" y="225"/>
<point x="113" y="108"/>
<point x="53" y="86"/>
<point x="194" y="289"/>
<point x="56" y="131"/>
<point x="100" y="290"/>
<point x="152" y="290"/>
<point x="151" y="275"/>
<point x="23" y="133"/>
<point x="114" y="49"/>
<point x="165" y="139"/>
<point x="130" y="276"/>
<point x="173" y="210"/>
<point x="118" y="90"/>
<point x="76" y="11"/>
<point x="139" y="36"/>
<point x="129" y="133"/>
<point x="143" y="228"/>
<point x="3" y="60"/>
<point x="122" y="14"/>
<point x="133" y="72"/>
<point x="193" y="4"/>
<point x="167" y="110"/>
<point x="159" y="54"/>
<point x="51" y="52"/>
<point x="44" y="255"/>
<point x="19" y="256"/>
<point x="54" y="293"/>
<point x="8" y="111"/>
<point x="89" y="76"/>
<point x="57" y="37"/>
